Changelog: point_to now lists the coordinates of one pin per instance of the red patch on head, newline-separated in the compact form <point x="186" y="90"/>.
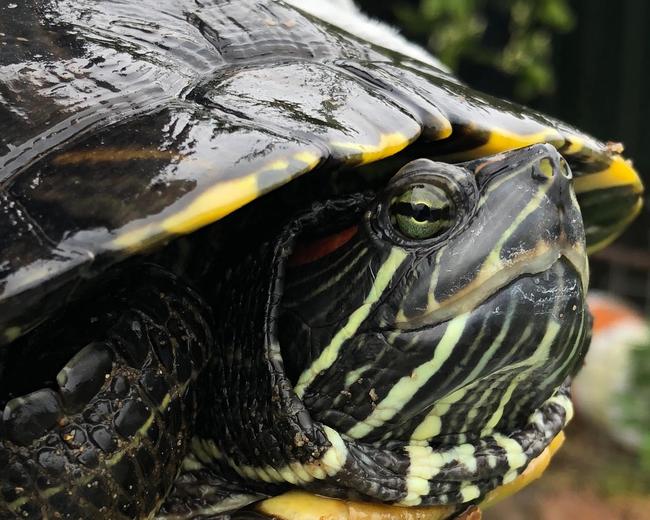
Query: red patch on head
<point x="308" y="252"/>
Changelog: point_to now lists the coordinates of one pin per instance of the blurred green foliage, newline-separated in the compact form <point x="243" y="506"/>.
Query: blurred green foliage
<point x="635" y="402"/>
<point x="521" y="47"/>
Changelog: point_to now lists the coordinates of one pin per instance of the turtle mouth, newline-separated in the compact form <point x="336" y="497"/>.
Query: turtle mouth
<point x="497" y="277"/>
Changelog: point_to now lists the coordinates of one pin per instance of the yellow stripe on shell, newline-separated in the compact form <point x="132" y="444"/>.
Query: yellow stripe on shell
<point x="502" y="140"/>
<point x="213" y="204"/>
<point x="574" y="145"/>
<point x="389" y="144"/>
<point x="622" y="225"/>
<point x="619" y="173"/>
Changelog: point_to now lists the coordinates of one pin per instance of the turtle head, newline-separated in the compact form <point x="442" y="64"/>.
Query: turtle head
<point x="506" y="216"/>
<point x="454" y="310"/>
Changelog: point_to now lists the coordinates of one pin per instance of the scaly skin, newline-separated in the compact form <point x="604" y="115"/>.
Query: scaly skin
<point x="108" y="441"/>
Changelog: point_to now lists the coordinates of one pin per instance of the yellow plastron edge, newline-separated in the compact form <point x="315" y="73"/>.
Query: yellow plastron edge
<point x="301" y="505"/>
<point x="534" y="470"/>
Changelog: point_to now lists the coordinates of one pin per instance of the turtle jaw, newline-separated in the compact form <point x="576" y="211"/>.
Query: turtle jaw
<point x="535" y="262"/>
<point x="531" y="333"/>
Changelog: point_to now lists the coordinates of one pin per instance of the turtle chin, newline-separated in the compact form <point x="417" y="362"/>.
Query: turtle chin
<point x="532" y="334"/>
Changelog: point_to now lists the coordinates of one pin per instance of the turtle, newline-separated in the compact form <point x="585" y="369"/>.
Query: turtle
<point x="247" y="254"/>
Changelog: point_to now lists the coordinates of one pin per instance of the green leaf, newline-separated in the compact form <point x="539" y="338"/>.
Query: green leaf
<point x="454" y="30"/>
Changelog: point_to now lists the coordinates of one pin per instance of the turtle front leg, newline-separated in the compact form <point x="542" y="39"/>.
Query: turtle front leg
<point x="104" y="435"/>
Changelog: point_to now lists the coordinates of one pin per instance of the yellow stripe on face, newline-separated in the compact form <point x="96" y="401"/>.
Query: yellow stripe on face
<point x="406" y="387"/>
<point x="330" y="353"/>
<point x="389" y="144"/>
<point x="432" y="423"/>
<point x="620" y="173"/>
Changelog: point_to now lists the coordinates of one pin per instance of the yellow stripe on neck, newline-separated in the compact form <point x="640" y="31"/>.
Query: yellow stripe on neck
<point x="301" y="505"/>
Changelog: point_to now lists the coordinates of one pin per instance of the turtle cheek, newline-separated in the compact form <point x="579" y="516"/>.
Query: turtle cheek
<point x="413" y="297"/>
<point x="531" y="333"/>
<point x="426" y="383"/>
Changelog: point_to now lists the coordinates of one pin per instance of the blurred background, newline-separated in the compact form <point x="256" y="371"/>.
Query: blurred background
<point x="586" y="62"/>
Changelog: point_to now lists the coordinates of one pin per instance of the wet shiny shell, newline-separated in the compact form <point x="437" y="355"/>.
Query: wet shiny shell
<point x="124" y="124"/>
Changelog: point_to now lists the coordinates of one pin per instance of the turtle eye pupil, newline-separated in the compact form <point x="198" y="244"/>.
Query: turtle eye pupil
<point x="422" y="211"/>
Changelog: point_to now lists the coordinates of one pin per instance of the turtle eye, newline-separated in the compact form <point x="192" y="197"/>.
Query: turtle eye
<point x="422" y="211"/>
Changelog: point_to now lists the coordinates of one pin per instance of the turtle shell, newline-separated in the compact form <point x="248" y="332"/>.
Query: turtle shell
<point x="125" y="124"/>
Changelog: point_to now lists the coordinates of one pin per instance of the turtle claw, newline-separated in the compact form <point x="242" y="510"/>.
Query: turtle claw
<point x="28" y="417"/>
<point x="84" y="375"/>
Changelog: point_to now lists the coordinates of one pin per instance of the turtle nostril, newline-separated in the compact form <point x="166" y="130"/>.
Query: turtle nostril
<point x="546" y="169"/>
<point x="565" y="170"/>
<point x="543" y="170"/>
